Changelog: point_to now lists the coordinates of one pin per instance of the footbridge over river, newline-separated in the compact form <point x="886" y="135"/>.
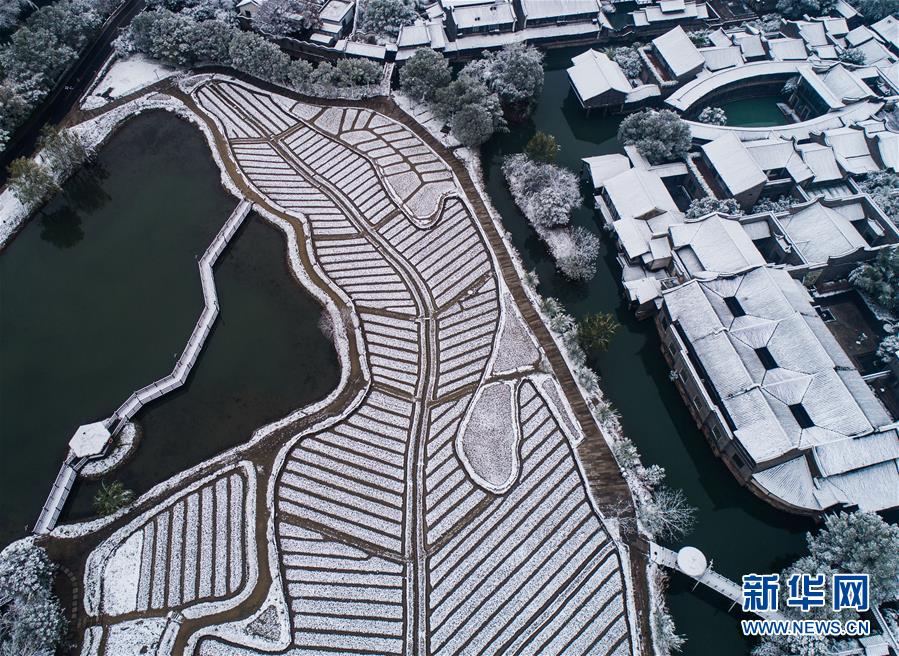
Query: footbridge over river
<point x="694" y="566"/>
<point x="65" y="479"/>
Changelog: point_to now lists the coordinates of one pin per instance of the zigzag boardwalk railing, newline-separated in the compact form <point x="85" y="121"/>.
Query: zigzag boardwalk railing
<point x="65" y="479"/>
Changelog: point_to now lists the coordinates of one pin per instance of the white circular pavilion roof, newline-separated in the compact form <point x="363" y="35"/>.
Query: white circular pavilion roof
<point x="691" y="561"/>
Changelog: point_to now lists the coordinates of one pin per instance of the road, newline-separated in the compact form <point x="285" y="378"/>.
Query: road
<point x="70" y="87"/>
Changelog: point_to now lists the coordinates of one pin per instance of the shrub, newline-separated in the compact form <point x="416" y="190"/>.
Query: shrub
<point x="542" y="147"/>
<point x="854" y="56"/>
<point x="112" y="498"/>
<point x="880" y="279"/>
<point x="706" y="205"/>
<point x="597" y="330"/>
<point x="713" y="116"/>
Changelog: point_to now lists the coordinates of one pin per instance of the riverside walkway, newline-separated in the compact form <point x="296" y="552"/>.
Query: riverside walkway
<point x="65" y="479"/>
<point x="709" y="578"/>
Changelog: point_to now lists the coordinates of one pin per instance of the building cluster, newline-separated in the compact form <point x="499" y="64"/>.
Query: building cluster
<point x="769" y="346"/>
<point x="453" y="26"/>
<point x="750" y="62"/>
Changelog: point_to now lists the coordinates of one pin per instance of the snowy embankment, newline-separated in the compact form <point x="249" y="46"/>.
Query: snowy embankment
<point x="124" y="76"/>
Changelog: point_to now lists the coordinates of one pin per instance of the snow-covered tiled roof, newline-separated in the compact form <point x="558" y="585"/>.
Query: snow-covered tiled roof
<point x="820" y="232"/>
<point x="717" y="59"/>
<point x="639" y="194"/>
<point x="593" y="74"/>
<point x="851" y="148"/>
<point x="888" y="29"/>
<point x="535" y="9"/>
<point x="714" y="244"/>
<point x="483" y="15"/>
<point x="822" y="161"/>
<point x="768" y="309"/>
<point x="734" y="165"/>
<point x="777" y="153"/>
<point x="678" y="52"/>
<point x="603" y="167"/>
<point x="751" y="45"/>
<point x="786" y="49"/>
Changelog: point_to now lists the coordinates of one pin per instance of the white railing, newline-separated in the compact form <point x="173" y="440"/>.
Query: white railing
<point x="201" y="330"/>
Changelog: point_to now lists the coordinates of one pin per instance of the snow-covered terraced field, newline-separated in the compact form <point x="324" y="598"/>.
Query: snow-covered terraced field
<point x="387" y="534"/>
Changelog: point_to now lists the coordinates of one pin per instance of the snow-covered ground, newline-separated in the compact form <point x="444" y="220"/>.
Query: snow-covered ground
<point x="126" y="76"/>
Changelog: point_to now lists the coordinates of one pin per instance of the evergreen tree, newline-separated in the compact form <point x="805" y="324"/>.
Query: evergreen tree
<point x="660" y="136"/>
<point x="542" y="147"/>
<point x="424" y="73"/>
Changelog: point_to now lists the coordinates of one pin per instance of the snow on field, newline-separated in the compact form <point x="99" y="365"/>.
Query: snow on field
<point x="488" y="439"/>
<point x="135" y="638"/>
<point x="126" y="76"/>
<point x="516" y="349"/>
<point x="120" y="581"/>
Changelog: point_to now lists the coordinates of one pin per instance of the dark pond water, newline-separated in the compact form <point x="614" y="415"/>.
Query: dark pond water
<point x="760" y="112"/>
<point x="99" y="294"/>
<point x="735" y="529"/>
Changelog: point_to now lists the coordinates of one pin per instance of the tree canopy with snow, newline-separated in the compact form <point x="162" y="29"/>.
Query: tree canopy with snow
<point x="39" y="51"/>
<point x="579" y="261"/>
<point x="31" y="183"/>
<point x="284" y="17"/>
<point x="883" y="187"/>
<point x="800" y="8"/>
<point x="515" y="73"/>
<point x="659" y="135"/>
<point x="32" y="622"/>
<point x="708" y="204"/>
<point x="861" y="542"/>
<point x="472" y="110"/>
<point x="880" y="279"/>
<point x="424" y="73"/>
<point x="545" y="193"/>
<point x="385" y="17"/>
<point x="875" y="10"/>
<point x="628" y="58"/>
